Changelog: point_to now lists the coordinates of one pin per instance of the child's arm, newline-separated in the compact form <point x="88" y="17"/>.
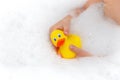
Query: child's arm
<point x="90" y="2"/>
<point x="78" y="11"/>
<point x="112" y="9"/>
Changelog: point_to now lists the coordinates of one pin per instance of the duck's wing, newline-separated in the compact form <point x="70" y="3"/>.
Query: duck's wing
<point x="76" y="40"/>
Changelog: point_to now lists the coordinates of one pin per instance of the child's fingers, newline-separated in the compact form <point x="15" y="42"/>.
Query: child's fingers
<point x="79" y="52"/>
<point x="75" y="49"/>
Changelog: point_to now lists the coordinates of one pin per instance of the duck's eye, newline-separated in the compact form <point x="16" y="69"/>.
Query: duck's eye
<point x="59" y="35"/>
<point x="54" y="39"/>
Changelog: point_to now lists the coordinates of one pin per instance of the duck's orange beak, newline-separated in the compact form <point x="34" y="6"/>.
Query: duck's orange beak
<point x="60" y="42"/>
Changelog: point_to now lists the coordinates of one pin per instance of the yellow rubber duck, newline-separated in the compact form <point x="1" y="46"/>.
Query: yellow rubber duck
<point x="62" y="42"/>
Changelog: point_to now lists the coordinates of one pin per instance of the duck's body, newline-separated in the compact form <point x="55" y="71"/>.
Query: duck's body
<point x="64" y="50"/>
<point x="63" y="43"/>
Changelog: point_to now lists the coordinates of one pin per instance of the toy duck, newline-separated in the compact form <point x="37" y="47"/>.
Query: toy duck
<point x="62" y="42"/>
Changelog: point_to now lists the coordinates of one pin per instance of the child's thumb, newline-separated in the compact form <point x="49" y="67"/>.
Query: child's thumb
<point x="66" y="30"/>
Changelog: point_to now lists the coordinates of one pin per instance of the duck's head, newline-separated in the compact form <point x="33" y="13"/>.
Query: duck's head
<point x="58" y="38"/>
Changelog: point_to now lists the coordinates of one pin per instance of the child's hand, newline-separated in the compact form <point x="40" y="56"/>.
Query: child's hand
<point x="63" y="24"/>
<point x="80" y="52"/>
